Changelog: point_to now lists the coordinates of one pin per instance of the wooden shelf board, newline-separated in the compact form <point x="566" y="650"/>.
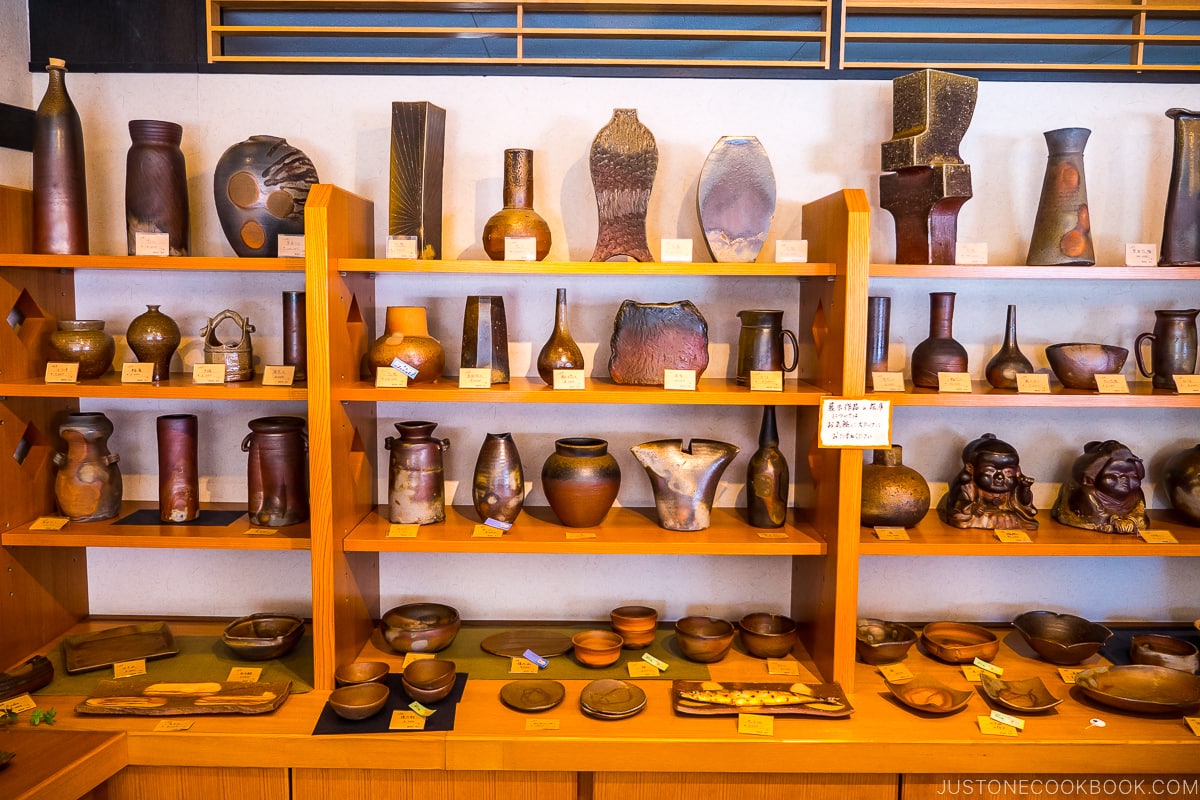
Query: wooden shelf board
<point x="598" y="269"/>
<point x="998" y="7"/>
<point x="186" y="263"/>
<point x="528" y="33"/>
<point x="59" y="763"/>
<point x="190" y="537"/>
<point x="932" y="537"/>
<point x="1142" y="394"/>
<point x="709" y="392"/>
<point x="991" y="272"/>
<point x="624" y="531"/>
<point x="178" y="387"/>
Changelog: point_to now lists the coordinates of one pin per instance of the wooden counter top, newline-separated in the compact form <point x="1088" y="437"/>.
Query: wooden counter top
<point x="53" y="764"/>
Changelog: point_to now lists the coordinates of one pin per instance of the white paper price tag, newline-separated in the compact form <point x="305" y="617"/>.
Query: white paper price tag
<point x="151" y="244"/>
<point x="1141" y="254"/>
<point x="791" y="251"/>
<point x="291" y="245"/>
<point x="676" y="250"/>
<point x="971" y="253"/>
<point x="520" y="248"/>
<point x="404" y="247"/>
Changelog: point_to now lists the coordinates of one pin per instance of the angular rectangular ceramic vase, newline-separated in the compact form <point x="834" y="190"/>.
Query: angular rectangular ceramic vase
<point x="415" y="185"/>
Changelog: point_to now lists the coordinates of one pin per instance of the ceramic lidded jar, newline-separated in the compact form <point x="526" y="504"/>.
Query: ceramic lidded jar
<point x="517" y="219"/>
<point x="88" y="484"/>
<point x="581" y="480"/>
<point x="892" y="494"/>
<point x="83" y="342"/>
<point x="416" y="479"/>
<point x="406" y="339"/>
<point x="154" y="337"/>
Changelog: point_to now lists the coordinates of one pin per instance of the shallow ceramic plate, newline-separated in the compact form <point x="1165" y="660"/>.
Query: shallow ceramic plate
<point x="1027" y="695"/>
<point x="99" y="649"/>
<point x="170" y="698"/>
<point x="926" y="693"/>
<point x="514" y="643"/>
<point x="612" y="698"/>
<point x="1141" y="688"/>
<point x="532" y="695"/>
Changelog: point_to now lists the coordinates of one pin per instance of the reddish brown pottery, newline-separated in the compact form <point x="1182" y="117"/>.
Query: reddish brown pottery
<point x="154" y="337"/>
<point x="560" y="350"/>
<point x="416" y="478"/>
<point x="517" y="219"/>
<point x="60" y="215"/>
<point x="88" y="485"/>
<point x="581" y="479"/>
<point x="276" y="477"/>
<point x="406" y="338"/>
<point x="178" y="475"/>
<point x="498" y="485"/>
<point x="940" y="352"/>
<point x="156" y="199"/>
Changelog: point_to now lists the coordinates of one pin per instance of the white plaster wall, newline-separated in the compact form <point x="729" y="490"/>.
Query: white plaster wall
<point x="821" y="135"/>
<point x="14" y="83"/>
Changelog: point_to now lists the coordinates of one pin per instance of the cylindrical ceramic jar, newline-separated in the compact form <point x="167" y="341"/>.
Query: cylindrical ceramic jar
<point x="88" y="485"/>
<point x="178" y="473"/>
<point x="83" y="342"/>
<point x="416" y="480"/>
<point x="156" y="199"/>
<point x="276" y="474"/>
<point x="581" y="480"/>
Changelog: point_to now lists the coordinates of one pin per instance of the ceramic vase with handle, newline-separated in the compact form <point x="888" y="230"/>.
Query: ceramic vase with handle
<point x="416" y="476"/>
<point x="1172" y="347"/>
<point x="276" y="471"/>
<point x="760" y="344"/>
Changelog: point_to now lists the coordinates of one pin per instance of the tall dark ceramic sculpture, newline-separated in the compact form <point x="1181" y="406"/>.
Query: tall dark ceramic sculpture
<point x="156" y="199"/>
<point x="60" y="216"/>
<point x="928" y="181"/>
<point x="735" y="199"/>
<point x="1104" y="492"/>
<point x="415" y="189"/>
<point x="1181" y="224"/>
<point x="485" y="336"/>
<point x="623" y="162"/>
<point x="260" y="187"/>
<point x="498" y="484"/>
<point x="1062" y="231"/>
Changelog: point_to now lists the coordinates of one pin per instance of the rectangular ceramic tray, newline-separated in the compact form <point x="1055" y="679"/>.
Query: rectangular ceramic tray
<point x="164" y="698"/>
<point x="90" y="651"/>
<point x="815" y="699"/>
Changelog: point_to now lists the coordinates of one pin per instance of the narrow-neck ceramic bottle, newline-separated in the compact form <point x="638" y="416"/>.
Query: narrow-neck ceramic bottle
<point x="560" y="350"/>
<point x="1003" y="368"/>
<point x="517" y="219"/>
<point x="60" y="214"/>
<point x="940" y="352"/>
<point x="767" y="477"/>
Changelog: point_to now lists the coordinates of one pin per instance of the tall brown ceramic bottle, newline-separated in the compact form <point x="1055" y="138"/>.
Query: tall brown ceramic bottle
<point x="560" y="350"/>
<point x="767" y="477"/>
<point x="1003" y="368"/>
<point x="517" y="218"/>
<point x="940" y="352"/>
<point x="60" y="216"/>
<point x="178" y="472"/>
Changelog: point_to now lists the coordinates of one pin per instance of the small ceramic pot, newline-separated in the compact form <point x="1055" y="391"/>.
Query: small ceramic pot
<point x="83" y="342"/>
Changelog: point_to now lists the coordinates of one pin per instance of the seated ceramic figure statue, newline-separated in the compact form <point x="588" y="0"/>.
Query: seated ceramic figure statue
<point x="991" y="491"/>
<point x="1104" y="492"/>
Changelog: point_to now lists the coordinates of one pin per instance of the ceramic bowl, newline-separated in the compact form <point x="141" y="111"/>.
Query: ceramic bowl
<point x="959" y="642"/>
<point x="636" y="625"/>
<point x="1061" y="638"/>
<point x="926" y="693"/>
<point x="704" y="639"/>
<point x="1142" y="689"/>
<point x="420" y="627"/>
<point x="1076" y="364"/>
<point x="597" y="648"/>
<point x="1164" y="651"/>
<point x="360" y="700"/>
<point x="882" y="642"/>
<point x="768" y="635"/>
<point x="429" y="680"/>
<point x="1027" y="696"/>
<point x="360" y="672"/>
<point x="260" y="637"/>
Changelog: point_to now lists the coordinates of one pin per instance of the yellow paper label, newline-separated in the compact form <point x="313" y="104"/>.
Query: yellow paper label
<point x="640" y="669"/>
<point x="128" y="669"/>
<point x="569" y="379"/>
<point x="48" y="524"/>
<point x="1008" y="719"/>
<point x="137" y="373"/>
<point x="683" y="380"/>
<point x="954" y="382"/>
<point x="541" y="724"/>
<point x="208" y="373"/>
<point x="278" y="375"/>
<point x="986" y="665"/>
<point x="1112" y="384"/>
<point x="411" y="657"/>
<point x="1158" y="537"/>
<point x="1069" y="674"/>
<point x="482" y="531"/>
<point x="520" y="248"/>
<point x="1011" y="535"/>
<point x="172" y="725"/>
<point x="151" y="244"/>
<point x="571" y="534"/>
<point x="244" y="674"/>
<point x="756" y="724"/>
<point x="991" y="727"/>
<point x="261" y="531"/>
<point x="895" y="673"/>
<point x="891" y="534"/>
<point x="1033" y="383"/>
<point x="972" y="673"/>
<point x="522" y="666"/>
<point x="657" y="663"/>
<point x="422" y="710"/>
<point x="475" y="378"/>
<point x="390" y="378"/>
<point x="406" y="721"/>
<point x="1187" y="384"/>
<point x="22" y="702"/>
<point x="887" y="381"/>
<point x="783" y="666"/>
<point x="771" y="534"/>
<point x="61" y="372"/>
<point x="403" y="530"/>
<point x="1193" y="723"/>
<point x="766" y="380"/>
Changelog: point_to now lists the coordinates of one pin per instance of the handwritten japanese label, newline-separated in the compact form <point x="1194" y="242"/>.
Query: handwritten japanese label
<point x="856" y="423"/>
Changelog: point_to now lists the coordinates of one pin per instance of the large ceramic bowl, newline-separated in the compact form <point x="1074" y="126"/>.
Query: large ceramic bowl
<point x="261" y="637"/>
<point x="597" y="648"/>
<point x="1076" y="364"/>
<point x="1141" y="688"/>
<point x="883" y="642"/>
<point x="768" y="635"/>
<point x="420" y="627"/>
<point x="959" y="642"/>
<point x="1164" y="651"/>
<point x="704" y="639"/>
<point x="360" y="700"/>
<point x="1061" y="638"/>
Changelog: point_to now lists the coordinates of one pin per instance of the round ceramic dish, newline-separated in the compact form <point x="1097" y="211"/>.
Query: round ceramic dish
<point x="959" y="642"/>
<point x="261" y="637"/>
<point x="532" y="695"/>
<point x="609" y="698"/>
<point x="1061" y="638"/>
<point x="1142" y="689"/>
<point x="882" y="642"/>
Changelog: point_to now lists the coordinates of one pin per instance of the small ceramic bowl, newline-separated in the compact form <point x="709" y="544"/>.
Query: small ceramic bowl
<point x="597" y="648"/>
<point x="1061" y="638"/>
<point x="261" y="637"/>
<point x="959" y="642"/>
<point x="704" y="639"/>
<point x="1076" y="364"/>
<point x="429" y="680"/>
<point x="360" y="672"/>
<point x="768" y="635"/>
<point x="1164" y="651"/>
<point x="882" y="642"/>
<point x="636" y="625"/>
<point x="926" y="693"/>
<point x="360" y="700"/>
<point x="420" y="627"/>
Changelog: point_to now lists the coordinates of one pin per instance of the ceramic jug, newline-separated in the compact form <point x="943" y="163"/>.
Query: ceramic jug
<point x="1172" y="347"/>
<point x="416" y="479"/>
<point x="760" y="344"/>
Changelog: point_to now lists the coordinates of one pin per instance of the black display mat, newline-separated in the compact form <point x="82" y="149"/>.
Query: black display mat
<point x="1116" y="649"/>
<point x="330" y="723"/>
<point x="209" y="518"/>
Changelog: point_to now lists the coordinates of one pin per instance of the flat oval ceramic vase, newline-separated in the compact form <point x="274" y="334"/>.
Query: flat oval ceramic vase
<point x="735" y="199"/>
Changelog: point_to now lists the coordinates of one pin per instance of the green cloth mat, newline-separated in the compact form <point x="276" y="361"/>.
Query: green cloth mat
<point x="470" y="658"/>
<point x="200" y="658"/>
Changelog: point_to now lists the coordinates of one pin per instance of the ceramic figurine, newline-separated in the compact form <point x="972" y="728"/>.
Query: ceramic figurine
<point x="991" y="491"/>
<point x="1104" y="492"/>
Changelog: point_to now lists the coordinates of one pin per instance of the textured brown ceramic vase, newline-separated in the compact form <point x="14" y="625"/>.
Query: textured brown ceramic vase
<point x="83" y="342"/>
<point x="276" y="474"/>
<point x="940" y="352"/>
<point x="560" y="350"/>
<point x="156" y="199"/>
<point x="498" y="485"/>
<point x="416" y="478"/>
<point x="60" y="213"/>
<point x="154" y="337"/>
<point x="178" y="474"/>
<point x="893" y="494"/>
<point x="88" y="484"/>
<point x="581" y="480"/>
<point x="517" y="219"/>
<point x="406" y="339"/>
<point x="767" y="478"/>
<point x="623" y="162"/>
